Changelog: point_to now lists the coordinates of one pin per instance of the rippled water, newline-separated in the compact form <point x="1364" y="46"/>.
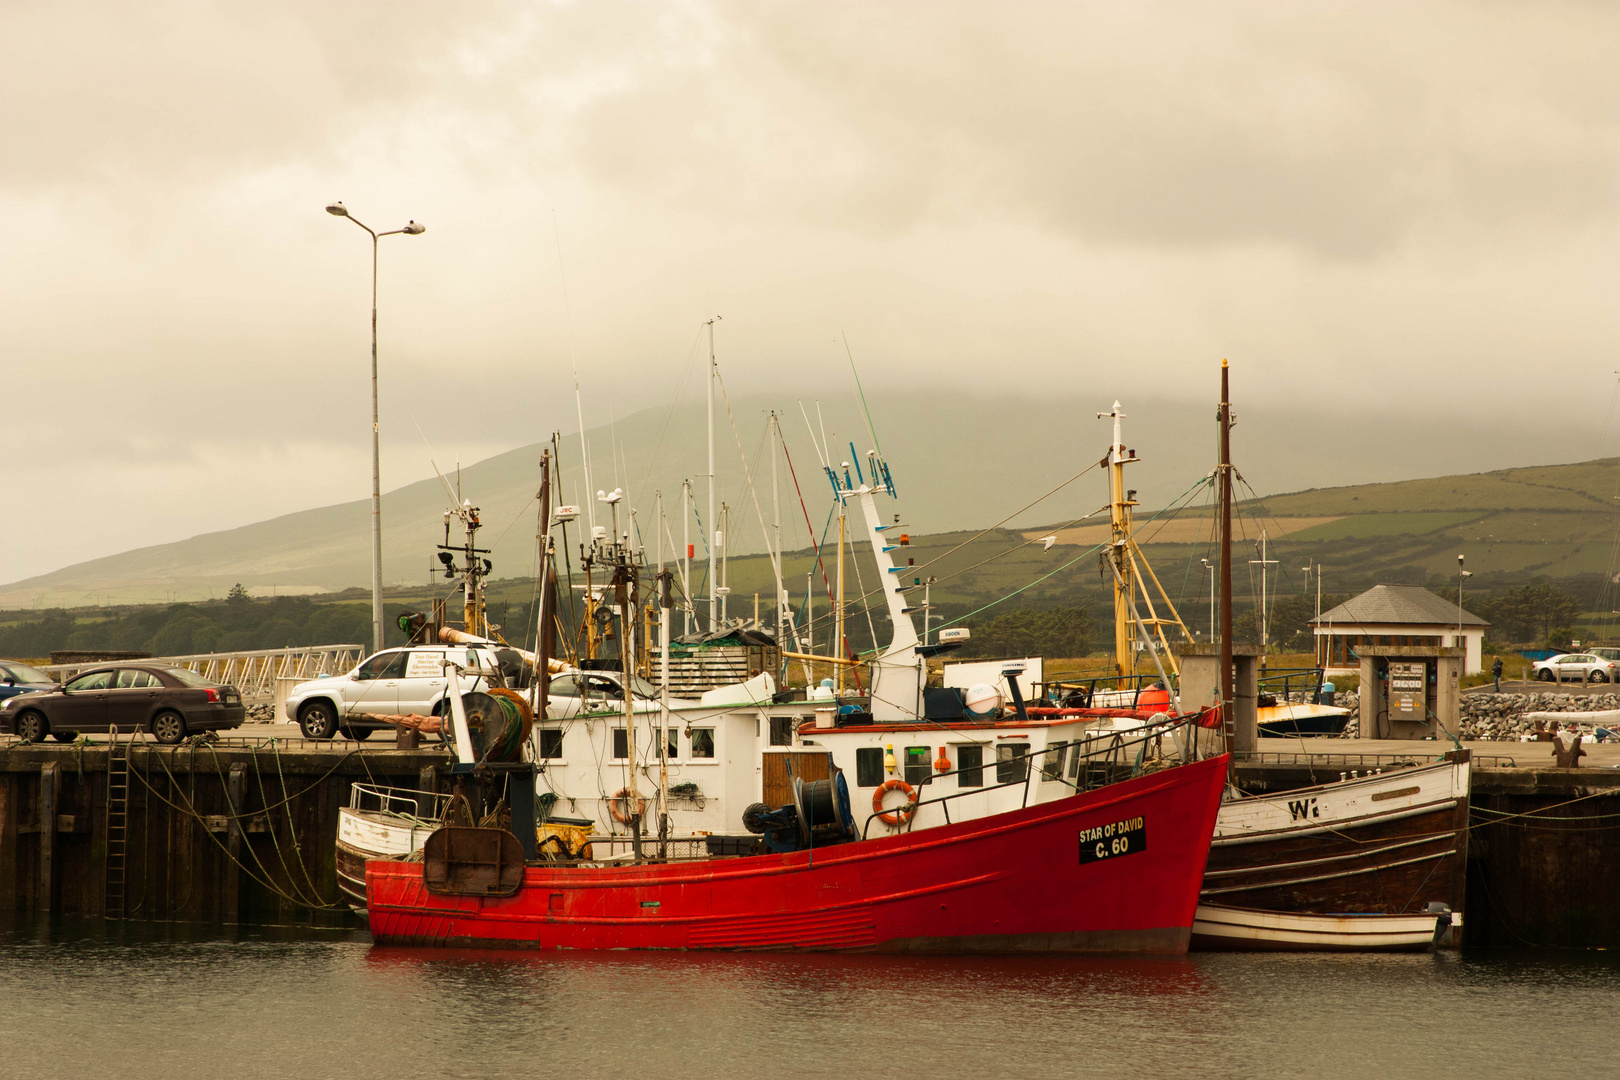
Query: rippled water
<point x="84" y="1000"/>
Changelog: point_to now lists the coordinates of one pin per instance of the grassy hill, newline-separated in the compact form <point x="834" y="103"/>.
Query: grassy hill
<point x="1515" y="527"/>
<point x="1552" y="522"/>
<point x="960" y="462"/>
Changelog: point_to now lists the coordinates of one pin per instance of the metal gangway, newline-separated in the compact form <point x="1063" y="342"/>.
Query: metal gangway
<point x="257" y="673"/>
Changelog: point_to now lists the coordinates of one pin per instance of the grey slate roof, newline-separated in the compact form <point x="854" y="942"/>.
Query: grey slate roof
<point x="1410" y="605"/>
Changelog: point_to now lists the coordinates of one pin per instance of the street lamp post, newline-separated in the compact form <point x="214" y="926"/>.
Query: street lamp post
<point x="1462" y="576"/>
<point x="1317" y="570"/>
<point x="337" y="209"/>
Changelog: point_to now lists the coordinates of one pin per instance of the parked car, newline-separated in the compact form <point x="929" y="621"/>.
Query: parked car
<point x="19" y="678"/>
<point x="407" y="680"/>
<point x="1581" y="667"/>
<point x="578" y="692"/>
<point x="169" y="703"/>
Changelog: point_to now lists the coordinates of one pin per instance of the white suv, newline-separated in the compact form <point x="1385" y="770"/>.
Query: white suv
<point x="406" y="680"/>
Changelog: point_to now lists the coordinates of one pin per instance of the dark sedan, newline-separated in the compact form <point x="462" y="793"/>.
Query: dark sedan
<point x="170" y="703"/>
<point x="19" y="678"/>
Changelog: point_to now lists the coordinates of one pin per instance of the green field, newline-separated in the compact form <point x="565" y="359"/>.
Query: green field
<point x="1398" y="523"/>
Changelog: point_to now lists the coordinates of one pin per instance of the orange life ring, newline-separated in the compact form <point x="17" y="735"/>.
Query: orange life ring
<point x="900" y="814"/>
<point x="622" y="816"/>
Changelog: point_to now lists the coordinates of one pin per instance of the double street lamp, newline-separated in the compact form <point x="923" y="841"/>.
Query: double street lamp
<point x="337" y="209"/>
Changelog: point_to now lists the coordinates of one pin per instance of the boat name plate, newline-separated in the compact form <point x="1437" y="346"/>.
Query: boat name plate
<point x="1127" y="837"/>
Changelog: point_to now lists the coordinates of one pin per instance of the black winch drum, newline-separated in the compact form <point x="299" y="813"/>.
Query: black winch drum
<point x="823" y="805"/>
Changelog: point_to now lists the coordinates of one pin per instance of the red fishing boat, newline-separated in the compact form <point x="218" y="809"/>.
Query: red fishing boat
<point x="1116" y="869"/>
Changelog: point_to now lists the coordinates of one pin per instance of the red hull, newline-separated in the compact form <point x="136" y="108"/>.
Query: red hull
<point x="1014" y="882"/>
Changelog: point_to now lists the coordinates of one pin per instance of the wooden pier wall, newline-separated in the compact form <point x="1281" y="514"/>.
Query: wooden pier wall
<point x="211" y="834"/>
<point x="1543" y="853"/>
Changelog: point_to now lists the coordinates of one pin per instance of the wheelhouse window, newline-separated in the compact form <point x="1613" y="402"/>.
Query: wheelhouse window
<point x="563" y="686"/>
<point x="550" y="740"/>
<point x="703" y="742"/>
<point x="621" y="744"/>
<point x="1052" y="762"/>
<point x="970" y="766"/>
<point x="868" y="766"/>
<point x="1012" y="763"/>
<point x="782" y="730"/>
<point x="919" y="765"/>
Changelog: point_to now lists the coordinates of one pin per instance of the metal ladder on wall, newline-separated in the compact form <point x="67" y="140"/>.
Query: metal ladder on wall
<point x="117" y="825"/>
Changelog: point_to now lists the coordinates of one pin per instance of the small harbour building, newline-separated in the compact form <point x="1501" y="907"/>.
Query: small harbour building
<point x="1398" y="615"/>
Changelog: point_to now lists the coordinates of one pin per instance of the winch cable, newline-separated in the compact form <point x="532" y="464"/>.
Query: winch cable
<point x="990" y="529"/>
<point x="674" y="401"/>
<point x="1084" y="554"/>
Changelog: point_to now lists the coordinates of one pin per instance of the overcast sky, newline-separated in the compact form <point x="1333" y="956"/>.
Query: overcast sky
<point x="1407" y="208"/>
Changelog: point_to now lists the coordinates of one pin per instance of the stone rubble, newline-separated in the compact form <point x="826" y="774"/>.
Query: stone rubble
<point x="1500" y="717"/>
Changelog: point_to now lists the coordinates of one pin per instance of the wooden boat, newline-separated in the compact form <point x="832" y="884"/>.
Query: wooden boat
<point x="1248" y="929"/>
<point x="1389" y="844"/>
<point x="1115" y="869"/>
<point x="380" y="823"/>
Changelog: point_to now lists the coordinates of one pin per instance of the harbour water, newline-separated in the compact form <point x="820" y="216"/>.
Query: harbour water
<point x="135" y="1001"/>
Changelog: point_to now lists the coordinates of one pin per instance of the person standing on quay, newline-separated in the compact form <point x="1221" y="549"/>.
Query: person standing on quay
<point x="1496" y="673"/>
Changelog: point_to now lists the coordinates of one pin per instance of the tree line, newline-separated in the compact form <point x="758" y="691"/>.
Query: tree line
<point x="236" y="624"/>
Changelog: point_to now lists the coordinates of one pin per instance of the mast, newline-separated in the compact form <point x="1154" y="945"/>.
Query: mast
<point x="1119" y="517"/>
<point x="624" y="578"/>
<point x="548" y="591"/>
<point x="584" y="450"/>
<point x="838" y="605"/>
<point x="776" y="533"/>
<point x="1228" y="692"/>
<point x="663" y="725"/>
<point x="724" y="588"/>
<point x="686" y="549"/>
<point x="714" y="582"/>
<point x="658" y="502"/>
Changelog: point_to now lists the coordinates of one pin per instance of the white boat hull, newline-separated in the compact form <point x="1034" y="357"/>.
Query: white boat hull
<point x="1230" y="928"/>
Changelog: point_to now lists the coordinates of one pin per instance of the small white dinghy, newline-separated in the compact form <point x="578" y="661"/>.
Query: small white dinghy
<point x="1232" y="928"/>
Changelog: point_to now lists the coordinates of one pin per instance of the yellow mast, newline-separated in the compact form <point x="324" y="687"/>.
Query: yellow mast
<point x="1125" y="556"/>
<point x="1119" y="546"/>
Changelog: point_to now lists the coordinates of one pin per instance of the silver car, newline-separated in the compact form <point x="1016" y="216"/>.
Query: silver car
<point x="1579" y="667"/>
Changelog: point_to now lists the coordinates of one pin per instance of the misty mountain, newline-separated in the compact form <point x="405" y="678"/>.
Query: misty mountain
<point x="958" y="462"/>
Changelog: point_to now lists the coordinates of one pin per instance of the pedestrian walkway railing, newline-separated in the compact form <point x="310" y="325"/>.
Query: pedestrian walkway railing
<point x="1335" y="759"/>
<point x="254" y="672"/>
